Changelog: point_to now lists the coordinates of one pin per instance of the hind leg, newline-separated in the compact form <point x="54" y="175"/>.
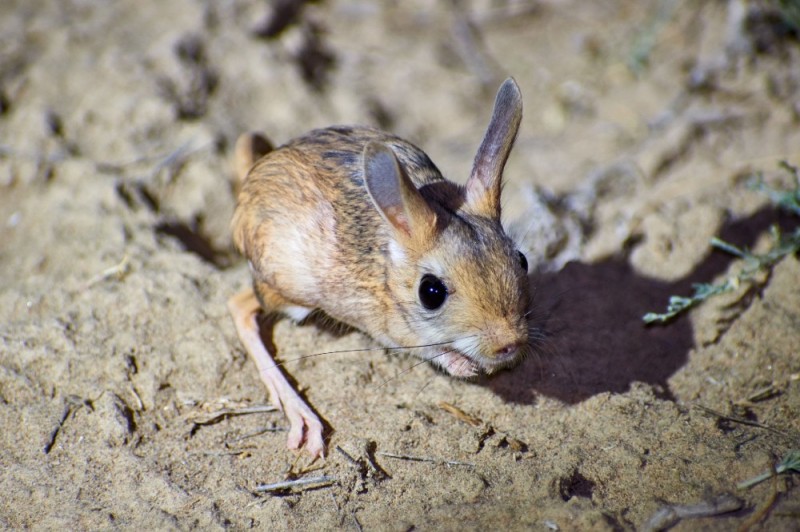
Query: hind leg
<point x="305" y="428"/>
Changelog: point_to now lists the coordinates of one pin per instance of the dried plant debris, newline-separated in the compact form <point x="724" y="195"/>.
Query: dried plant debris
<point x="214" y="412"/>
<point x="118" y="271"/>
<point x="363" y="460"/>
<point x="437" y="461"/>
<point x="460" y="414"/>
<point x="669" y="516"/>
<point x="299" y="484"/>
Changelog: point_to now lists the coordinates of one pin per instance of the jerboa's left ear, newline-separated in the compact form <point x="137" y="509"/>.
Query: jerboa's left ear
<point x="394" y="195"/>
<point x="485" y="182"/>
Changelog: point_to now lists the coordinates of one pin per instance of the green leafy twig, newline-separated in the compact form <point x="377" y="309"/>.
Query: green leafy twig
<point x="790" y="463"/>
<point x="787" y="199"/>
<point x="790" y="11"/>
<point x="754" y="264"/>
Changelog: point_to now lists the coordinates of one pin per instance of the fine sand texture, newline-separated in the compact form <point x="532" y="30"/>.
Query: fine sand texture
<point x="124" y="389"/>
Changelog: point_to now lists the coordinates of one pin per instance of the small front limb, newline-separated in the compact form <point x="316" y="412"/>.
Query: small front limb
<point x="304" y="425"/>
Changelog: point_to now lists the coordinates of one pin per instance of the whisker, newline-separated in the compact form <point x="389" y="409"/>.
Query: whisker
<point x="422" y="388"/>
<point x="410" y="368"/>
<point x="366" y="350"/>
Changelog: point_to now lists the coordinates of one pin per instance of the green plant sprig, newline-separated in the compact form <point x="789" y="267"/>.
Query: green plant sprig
<point x="790" y="463"/>
<point x="787" y="199"/>
<point x="790" y="11"/>
<point x="754" y="264"/>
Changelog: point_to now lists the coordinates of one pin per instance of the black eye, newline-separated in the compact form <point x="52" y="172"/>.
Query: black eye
<point x="523" y="261"/>
<point x="432" y="292"/>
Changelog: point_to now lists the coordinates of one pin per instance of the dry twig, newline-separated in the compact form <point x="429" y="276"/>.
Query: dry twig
<point x="460" y="414"/>
<point x="438" y="461"/>
<point x="305" y="483"/>
<point x="668" y="516"/>
<point x="741" y="420"/>
<point x="209" y="418"/>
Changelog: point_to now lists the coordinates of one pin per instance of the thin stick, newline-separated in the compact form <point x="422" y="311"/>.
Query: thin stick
<point x="298" y="483"/>
<point x="257" y="433"/>
<point x="349" y="458"/>
<point x="425" y="459"/>
<point x="207" y="418"/>
<point x="741" y="420"/>
<point x="356" y="522"/>
<point x="217" y="453"/>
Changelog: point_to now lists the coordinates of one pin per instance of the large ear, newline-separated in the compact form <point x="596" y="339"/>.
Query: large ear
<point x="394" y="195"/>
<point x="250" y="147"/>
<point x="485" y="181"/>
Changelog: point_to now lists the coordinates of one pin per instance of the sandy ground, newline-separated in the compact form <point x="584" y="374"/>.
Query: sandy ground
<point x="643" y="122"/>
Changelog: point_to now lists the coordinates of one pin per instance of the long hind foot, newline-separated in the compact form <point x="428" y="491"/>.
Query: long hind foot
<point x="305" y="428"/>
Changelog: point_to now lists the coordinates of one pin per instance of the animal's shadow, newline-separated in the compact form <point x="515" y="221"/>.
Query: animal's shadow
<point x="596" y="340"/>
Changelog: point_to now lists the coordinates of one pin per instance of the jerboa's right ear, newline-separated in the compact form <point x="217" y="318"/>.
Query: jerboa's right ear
<point x="485" y="182"/>
<point x="394" y="195"/>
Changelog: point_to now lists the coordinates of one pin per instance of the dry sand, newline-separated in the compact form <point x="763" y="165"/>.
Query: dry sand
<point x="643" y="122"/>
